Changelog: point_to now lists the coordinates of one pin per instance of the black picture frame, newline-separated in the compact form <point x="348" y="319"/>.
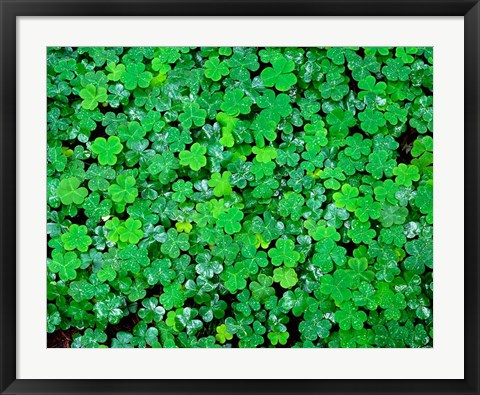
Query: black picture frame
<point x="10" y="10"/>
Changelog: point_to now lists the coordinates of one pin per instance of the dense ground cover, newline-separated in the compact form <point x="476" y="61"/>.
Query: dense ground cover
<point x="240" y="197"/>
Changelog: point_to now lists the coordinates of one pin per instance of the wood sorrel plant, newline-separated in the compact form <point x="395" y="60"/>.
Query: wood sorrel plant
<point x="240" y="197"/>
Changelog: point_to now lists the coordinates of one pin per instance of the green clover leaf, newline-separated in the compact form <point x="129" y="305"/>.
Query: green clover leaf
<point x="379" y="164"/>
<point x="99" y="177"/>
<point x="215" y="69"/>
<point x="228" y="124"/>
<point x="328" y="253"/>
<point x="107" y="150"/>
<point x="195" y="158"/>
<point x="175" y="243"/>
<point x="350" y="317"/>
<point x="332" y="177"/>
<point x="315" y="326"/>
<point x="131" y="231"/>
<point x="234" y="277"/>
<point x="370" y="87"/>
<point x="286" y="276"/>
<point x="124" y="190"/>
<point x="337" y="285"/>
<point x="222" y="334"/>
<point x="422" y="145"/>
<point x="357" y="146"/>
<point x="69" y="191"/>
<point x="160" y="271"/>
<point x="340" y="121"/>
<point x="265" y="154"/>
<point x="261" y="289"/>
<point x="347" y="198"/>
<point x="76" y="238"/>
<point x="371" y="120"/>
<point x="113" y="226"/>
<point x="135" y="75"/>
<point x="116" y="71"/>
<point x="406" y="174"/>
<point x="173" y="296"/>
<point x="163" y="166"/>
<point x="264" y="128"/>
<point x="192" y="115"/>
<point x="92" y="95"/>
<point x="315" y="136"/>
<point x="361" y="232"/>
<point x="334" y="87"/>
<point x="284" y="252"/>
<point x="392" y="215"/>
<point x="235" y="102"/>
<point x="280" y="74"/>
<point x="367" y="209"/>
<point x="183" y="190"/>
<point x="278" y="337"/>
<point x="291" y="205"/>
<point x="420" y="255"/>
<point x="361" y="68"/>
<point x="230" y="220"/>
<point x="275" y="107"/>
<point x="221" y="184"/>
<point x="65" y="264"/>
<point x="395" y="70"/>
<point x="131" y="133"/>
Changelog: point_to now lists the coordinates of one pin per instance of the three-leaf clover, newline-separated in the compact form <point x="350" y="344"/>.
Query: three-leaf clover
<point x="195" y="158"/>
<point x="65" y="264"/>
<point x="107" y="150"/>
<point x="406" y="174"/>
<point x="135" y="75"/>
<point x="175" y="243"/>
<point x="240" y="196"/>
<point x="235" y="102"/>
<point x="173" y="296"/>
<point x="280" y="74"/>
<point x="215" y="69"/>
<point x="286" y="276"/>
<point x="131" y="132"/>
<point x="361" y="232"/>
<point x="116" y="71"/>
<point x="124" y="190"/>
<point x="221" y="184"/>
<point x="131" y="231"/>
<point x="230" y="220"/>
<point x="76" y="238"/>
<point x="69" y="191"/>
<point x="92" y="95"/>
<point x="315" y="326"/>
<point x="261" y="289"/>
<point x="337" y="285"/>
<point x="420" y="255"/>
<point x="347" y="197"/>
<point x="235" y="277"/>
<point x="284" y="252"/>
<point x="371" y="120"/>
<point x="192" y="115"/>
<point x="350" y="317"/>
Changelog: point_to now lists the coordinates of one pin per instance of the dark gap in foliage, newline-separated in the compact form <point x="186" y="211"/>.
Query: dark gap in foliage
<point x="126" y="324"/>
<point x="406" y="143"/>
<point x="292" y="329"/>
<point x="61" y="338"/>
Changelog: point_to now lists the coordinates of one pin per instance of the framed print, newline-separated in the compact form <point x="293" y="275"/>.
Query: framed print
<point x="189" y="196"/>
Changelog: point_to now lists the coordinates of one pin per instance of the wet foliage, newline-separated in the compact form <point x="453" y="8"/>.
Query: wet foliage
<point x="240" y="197"/>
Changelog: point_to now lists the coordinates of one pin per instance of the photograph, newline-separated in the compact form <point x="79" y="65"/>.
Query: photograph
<point x="239" y="197"/>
